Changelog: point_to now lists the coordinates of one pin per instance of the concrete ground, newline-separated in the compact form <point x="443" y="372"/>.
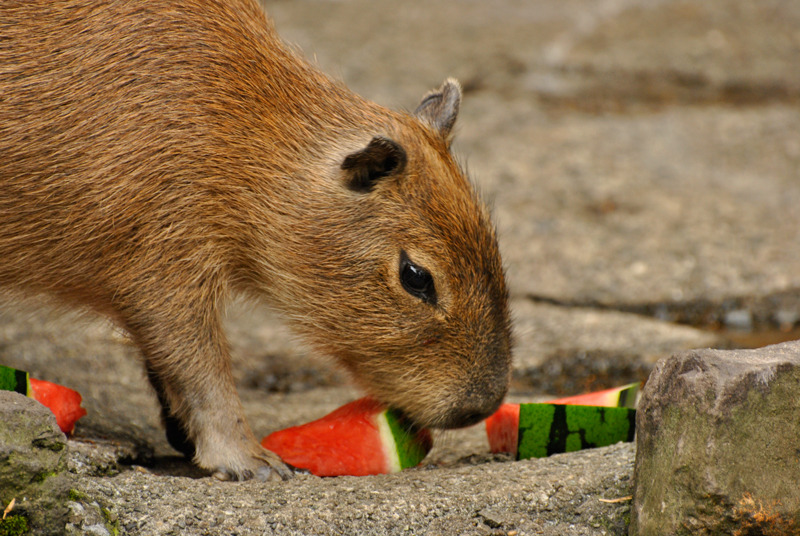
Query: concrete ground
<point x="642" y="158"/>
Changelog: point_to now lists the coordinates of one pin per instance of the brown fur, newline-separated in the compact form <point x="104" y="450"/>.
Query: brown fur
<point x="157" y="156"/>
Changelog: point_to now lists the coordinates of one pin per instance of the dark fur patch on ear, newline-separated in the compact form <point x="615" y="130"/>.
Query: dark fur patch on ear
<point x="380" y="158"/>
<point x="439" y="108"/>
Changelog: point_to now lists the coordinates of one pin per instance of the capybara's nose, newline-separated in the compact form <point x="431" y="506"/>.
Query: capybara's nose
<point x="468" y="417"/>
<point x="479" y="401"/>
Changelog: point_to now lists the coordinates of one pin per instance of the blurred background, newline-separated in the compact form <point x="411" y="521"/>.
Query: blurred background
<point x="642" y="158"/>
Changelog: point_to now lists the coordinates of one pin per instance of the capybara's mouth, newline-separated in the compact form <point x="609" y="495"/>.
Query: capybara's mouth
<point x="459" y="417"/>
<point x="463" y="418"/>
<point x="412" y="428"/>
<point x="404" y="420"/>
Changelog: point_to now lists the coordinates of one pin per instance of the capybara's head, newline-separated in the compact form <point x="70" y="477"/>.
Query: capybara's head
<point x="403" y="282"/>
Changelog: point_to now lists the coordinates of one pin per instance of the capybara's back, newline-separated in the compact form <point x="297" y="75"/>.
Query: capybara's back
<point x="157" y="156"/>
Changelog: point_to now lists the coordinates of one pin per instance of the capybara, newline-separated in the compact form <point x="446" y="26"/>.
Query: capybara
<point x="159" y="156"/>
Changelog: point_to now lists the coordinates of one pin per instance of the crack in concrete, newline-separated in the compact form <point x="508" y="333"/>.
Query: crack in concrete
<point x="776" y="311"/>
<point x="620" y="90"/>
<point x="570" y="372"/>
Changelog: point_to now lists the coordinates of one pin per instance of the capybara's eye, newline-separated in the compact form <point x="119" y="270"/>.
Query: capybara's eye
<point x="416" y="280"/>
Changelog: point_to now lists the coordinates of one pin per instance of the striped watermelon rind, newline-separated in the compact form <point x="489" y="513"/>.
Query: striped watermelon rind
<point x="409" y="445"/>
<point x="546" y="429"/>
<point x="15" y="380"/>
<point x="565" y="425"/>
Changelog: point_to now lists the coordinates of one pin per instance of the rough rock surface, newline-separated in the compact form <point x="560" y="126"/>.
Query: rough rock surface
<point x="33" y="463"/>
<point x="554" y="496"/>
<point x="717" y="444"/>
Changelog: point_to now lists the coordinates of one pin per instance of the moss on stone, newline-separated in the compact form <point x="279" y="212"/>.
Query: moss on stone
<point x="54" y="443"/>
<point x="44" y="475"/>
<point x="14" y="525"/>
<point x="77" y="496"/>
<point x="111" y="521"/>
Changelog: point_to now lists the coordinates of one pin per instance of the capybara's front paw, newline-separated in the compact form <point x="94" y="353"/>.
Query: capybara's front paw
<point x="263" y="465"/>
<point x="236" y="455"/>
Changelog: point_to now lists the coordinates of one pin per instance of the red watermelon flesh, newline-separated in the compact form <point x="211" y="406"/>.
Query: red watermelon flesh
<point x="614" y="397"/>
<point x="502" y="428"/>
<point x="359" y="438"/>
<point x="64" y="402"/>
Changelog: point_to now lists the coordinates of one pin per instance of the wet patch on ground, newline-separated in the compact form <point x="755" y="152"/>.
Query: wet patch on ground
<point x="779" y="311"/>
<point x="570" y="373"/>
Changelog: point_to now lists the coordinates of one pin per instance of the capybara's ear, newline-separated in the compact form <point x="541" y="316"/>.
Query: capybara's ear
<point x="381" y="158"/>
<point x="439" y="108"/>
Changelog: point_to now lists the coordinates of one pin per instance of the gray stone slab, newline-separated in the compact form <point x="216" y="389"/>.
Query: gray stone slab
<point x="544" y="332"/>
<point x="595" y="56"/>
<point x="686" y="51"/>
<point x="682" y="205"/>
<point x="559" y="495"/>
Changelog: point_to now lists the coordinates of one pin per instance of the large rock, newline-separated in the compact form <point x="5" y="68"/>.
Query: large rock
<point x="717" y="444"/>
<point x="32" y="463"/>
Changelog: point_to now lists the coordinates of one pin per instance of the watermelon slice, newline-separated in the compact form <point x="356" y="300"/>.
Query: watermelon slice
<point x="64" y="402"/>
<point x="564" y="425"/>
<point x="502" y="429"/>
<point x="616" y="397"/>
<point x="359" y="438"/>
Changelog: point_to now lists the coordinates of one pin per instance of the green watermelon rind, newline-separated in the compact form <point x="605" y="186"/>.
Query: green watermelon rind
<point x="408" y="448"/>
<point x="628" y="396"/>
<point x="546" y="429"/>
<point x="15" y="380"/>
<point x="388" y="442"/>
